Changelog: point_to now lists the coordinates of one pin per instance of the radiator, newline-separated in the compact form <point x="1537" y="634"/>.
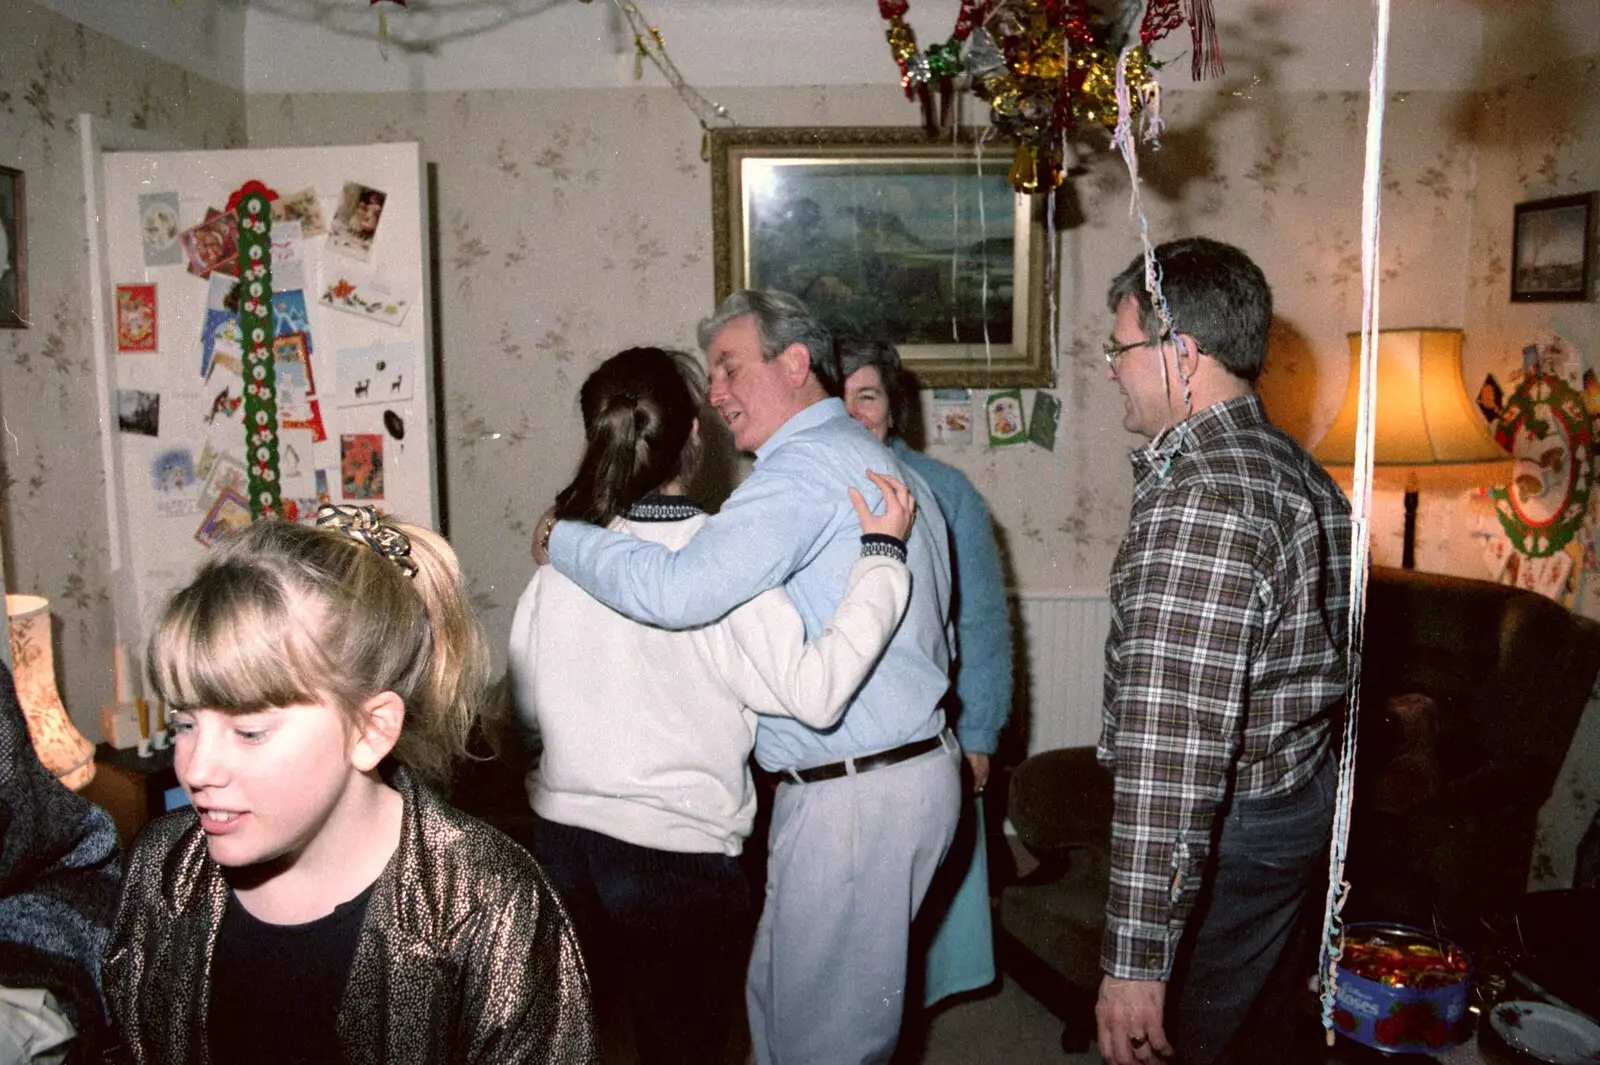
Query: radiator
<point x="1061" y="647"/>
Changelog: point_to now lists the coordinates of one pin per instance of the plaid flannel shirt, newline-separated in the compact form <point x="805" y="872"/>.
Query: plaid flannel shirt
<point x="1225" y="664"/>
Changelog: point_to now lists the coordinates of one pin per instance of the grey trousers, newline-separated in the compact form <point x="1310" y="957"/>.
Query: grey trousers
<point x="850" y="861"/>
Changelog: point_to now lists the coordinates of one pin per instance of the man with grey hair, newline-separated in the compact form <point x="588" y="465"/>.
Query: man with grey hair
<point x="865" y="811"/>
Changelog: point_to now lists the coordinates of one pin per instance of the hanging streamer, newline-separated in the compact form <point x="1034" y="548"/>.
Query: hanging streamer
<point x="955" y="228"/>
<point x="1360" y="518"/>
<point x="383" y="25"/>
<point x="649" y="44"/>
<point x="983" y="234"/>
<point x="1122" y="137"/>
<point x="1207" y="60"/>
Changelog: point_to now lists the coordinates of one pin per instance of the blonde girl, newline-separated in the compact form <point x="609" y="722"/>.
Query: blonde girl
<point x="318" y="902"/>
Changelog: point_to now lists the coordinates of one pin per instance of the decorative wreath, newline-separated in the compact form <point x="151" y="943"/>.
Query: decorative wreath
<point x="1546" y="427"/>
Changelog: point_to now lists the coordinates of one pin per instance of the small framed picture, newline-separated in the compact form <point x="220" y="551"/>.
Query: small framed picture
<point x="13" y="251"/>
<point x="1550" y="248"/>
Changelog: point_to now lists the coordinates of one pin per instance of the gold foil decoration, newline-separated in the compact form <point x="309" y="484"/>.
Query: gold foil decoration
<point x="1024" y="176"/>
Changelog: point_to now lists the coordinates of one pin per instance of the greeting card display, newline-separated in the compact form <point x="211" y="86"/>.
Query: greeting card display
<point x="355" y="224"/>
<point x="136" y="318"/>
<point x="380" y="374"/>
<point x="301" y="206"/>
<point x="158" y="224"/>
<point x="1006" y="424"/>
<point x="355" y="293"/>
<point x="213" y="245"/>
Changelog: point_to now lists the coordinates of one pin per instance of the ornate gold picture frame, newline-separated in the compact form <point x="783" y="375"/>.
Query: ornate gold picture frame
<point x="884" y="232"/>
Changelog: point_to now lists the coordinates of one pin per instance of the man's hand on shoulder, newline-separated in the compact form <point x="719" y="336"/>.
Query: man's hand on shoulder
<point x="1129" y="1018"/>
<point x="541" y="536"/>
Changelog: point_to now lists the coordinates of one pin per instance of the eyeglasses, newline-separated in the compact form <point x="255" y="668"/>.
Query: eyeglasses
<point x="1114" y="352"/>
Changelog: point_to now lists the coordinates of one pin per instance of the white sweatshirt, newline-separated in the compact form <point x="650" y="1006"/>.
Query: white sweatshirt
<point x="647" y="733"/>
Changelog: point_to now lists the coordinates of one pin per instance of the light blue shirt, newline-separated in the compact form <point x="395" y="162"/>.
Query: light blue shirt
<point x="981" y="615"/>
<point x="790" y="523"/>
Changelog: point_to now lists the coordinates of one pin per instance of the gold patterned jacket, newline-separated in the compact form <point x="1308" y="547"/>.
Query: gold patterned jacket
<point x="465" y="955"/>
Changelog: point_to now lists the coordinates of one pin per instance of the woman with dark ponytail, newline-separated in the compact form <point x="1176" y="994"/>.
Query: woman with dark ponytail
<point x="643" y="792"/>
<point x="640" y="414"/>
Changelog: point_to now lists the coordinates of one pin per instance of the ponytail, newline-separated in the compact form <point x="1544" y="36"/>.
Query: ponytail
<point x="639" y="409"/>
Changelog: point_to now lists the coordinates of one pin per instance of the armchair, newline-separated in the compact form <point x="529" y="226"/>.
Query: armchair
<point x="1471" y="694"/>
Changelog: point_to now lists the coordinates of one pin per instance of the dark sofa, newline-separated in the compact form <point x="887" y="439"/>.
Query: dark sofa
<point x="1449" y="786"/>
<point x="1471" y="694"/>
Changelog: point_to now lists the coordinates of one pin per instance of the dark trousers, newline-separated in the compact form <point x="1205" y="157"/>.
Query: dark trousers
<point x="1245" y="949"/>
<point x="668" y="932"/>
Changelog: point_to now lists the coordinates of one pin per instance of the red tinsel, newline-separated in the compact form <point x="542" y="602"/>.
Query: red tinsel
<point x="1203" y="32"/>
<point x="1160" y="19"/>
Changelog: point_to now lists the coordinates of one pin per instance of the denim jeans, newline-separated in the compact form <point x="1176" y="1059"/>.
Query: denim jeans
<point x="1244" y="949"/>
<point x="668" y="932"/>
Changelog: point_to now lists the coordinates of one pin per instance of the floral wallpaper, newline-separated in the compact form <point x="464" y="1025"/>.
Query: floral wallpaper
<point x="1535" y="141"/>
<point x="571" y="223"/>
<point x="52" y="509"/>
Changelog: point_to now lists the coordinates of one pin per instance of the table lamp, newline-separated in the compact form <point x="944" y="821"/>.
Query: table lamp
<point x="61" y="747"/>
<point x="1427" y="432"/>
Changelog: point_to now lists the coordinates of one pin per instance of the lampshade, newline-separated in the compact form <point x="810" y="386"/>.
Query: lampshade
<point x="63" y="750"/>
<point x="1427" y="432"/>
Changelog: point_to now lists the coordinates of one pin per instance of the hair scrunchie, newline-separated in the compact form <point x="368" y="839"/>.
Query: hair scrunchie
<point x="362" y="523"/>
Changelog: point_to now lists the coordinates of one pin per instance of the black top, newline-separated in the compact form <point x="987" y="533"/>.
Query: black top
<point x="276" y="989"/>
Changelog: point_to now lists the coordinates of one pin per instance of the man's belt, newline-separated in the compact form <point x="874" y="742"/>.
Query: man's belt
<point x="864" y="764"/>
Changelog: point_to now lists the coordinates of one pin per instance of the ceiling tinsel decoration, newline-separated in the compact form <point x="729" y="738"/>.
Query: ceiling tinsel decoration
<point x="383" y="24"/>
<point x="1047" y="68"/>
<point x="939" y="66"/>
<point x="649" y="44"/>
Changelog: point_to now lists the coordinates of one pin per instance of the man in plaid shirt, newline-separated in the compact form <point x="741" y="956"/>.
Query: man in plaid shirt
<point x="1225" y="669"/>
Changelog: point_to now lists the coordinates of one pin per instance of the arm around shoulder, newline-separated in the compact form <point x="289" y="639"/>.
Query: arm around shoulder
<point x="755" y="542"/>
<point x="772" y="669"/>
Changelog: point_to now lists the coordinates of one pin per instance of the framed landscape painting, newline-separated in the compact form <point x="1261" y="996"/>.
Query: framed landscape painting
<point x="886" y="233"/>
<point x="1550" y="248"/>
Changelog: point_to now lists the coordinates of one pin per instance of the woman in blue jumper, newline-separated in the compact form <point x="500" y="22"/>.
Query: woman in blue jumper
<point x="878" y="395"/>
